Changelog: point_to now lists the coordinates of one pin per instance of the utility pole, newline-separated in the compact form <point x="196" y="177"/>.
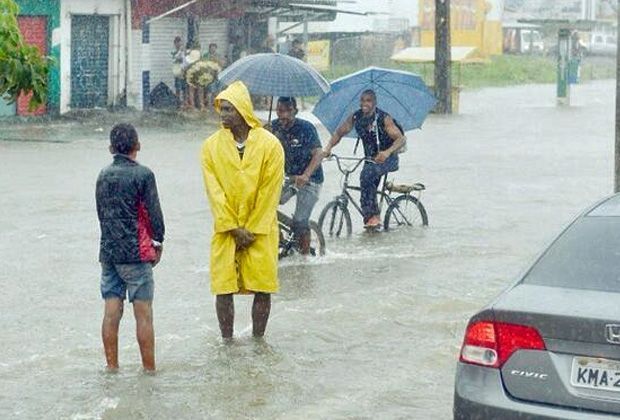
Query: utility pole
<point x="617" y="149"/>
<point x="443" y="59"/>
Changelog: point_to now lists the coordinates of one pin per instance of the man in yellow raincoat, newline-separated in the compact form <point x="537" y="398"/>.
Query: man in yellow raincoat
<point x="243" y="167"/>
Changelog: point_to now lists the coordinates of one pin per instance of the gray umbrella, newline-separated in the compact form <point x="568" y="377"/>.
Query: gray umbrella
<point x="273" y="74"/>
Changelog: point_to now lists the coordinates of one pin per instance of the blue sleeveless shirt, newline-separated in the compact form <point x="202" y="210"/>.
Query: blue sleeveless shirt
<point x="366" y="129"/>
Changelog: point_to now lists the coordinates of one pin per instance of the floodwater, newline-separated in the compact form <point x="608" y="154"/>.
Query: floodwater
<point x="371" y="330"/>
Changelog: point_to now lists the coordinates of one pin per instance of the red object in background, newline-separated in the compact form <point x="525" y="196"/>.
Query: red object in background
<point x="34" y="32"/>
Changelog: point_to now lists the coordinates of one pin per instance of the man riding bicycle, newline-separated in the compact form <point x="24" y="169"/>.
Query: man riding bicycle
<point x="381" y="138"/>
<point x="304" y="174"/>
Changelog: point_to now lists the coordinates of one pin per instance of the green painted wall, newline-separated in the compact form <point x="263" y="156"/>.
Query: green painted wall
<point x="50" y="9"/>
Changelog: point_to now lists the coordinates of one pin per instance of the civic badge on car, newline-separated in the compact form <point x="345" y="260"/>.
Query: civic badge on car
<point x="612" y="333"/>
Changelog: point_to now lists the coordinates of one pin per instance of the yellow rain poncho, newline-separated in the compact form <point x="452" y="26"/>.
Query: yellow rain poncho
<point x="243" y="193"/>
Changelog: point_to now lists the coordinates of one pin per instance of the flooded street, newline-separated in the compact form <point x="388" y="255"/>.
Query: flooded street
<point x="371" y="330"/>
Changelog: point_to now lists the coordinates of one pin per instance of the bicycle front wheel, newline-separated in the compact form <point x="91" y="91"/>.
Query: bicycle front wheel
<point x="335" y="220"/>
<point x="405" y="211"/>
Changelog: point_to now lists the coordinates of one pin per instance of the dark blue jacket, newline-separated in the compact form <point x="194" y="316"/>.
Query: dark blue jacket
<point x="129" y="213"/>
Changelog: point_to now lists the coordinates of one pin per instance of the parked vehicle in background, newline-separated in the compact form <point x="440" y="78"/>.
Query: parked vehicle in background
<point x="531" y="40"/>
<point x="520" y="40"/>
<point x="549" y="346"/>
<point x="602" y="44"/>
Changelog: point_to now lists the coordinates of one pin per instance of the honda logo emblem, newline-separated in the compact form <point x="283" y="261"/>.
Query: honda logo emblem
<point x="612" y="333"/>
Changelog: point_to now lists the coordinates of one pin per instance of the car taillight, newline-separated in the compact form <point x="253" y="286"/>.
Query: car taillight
<point x="490" y="343"/>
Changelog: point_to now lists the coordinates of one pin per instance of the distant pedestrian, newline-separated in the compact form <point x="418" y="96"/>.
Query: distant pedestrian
<point x="237" y="49"/>
<point x="132" y="235"/>
<point x="296" y="50"/>
<point x="195" y="90"/>
<point x="178" y="56"/>
<point x="267" y="46"/>
<point x="213" y="55"/>
<point x="199" y="74"/>
<point x="212" y="88"/>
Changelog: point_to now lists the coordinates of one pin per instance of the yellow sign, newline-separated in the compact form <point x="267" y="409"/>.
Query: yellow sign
<point x="318" y="54"/>
<point x="473" y="23"/>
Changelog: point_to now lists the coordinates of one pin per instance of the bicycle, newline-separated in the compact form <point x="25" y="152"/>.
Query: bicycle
<point x="288" y="242"/>
<point x="404" y="210"/>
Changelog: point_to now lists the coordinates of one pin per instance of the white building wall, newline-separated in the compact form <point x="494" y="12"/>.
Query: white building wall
<point x="154" y="56"/>
<point x="214" y="30"/>
<point x="116" y="10"/>
<point x="138" y="58"/>
<point x="163" y="33"/>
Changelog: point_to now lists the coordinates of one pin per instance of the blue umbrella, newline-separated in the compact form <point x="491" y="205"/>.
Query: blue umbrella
<point x="273" y="74"/>
<point x="401" y="94"/>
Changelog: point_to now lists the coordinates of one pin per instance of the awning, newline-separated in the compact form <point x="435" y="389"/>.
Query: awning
<point x="285" y="10"/>
<point x="298" y="10"/>
<point x="464" y="55"/>
<point x="519" y="25"/>
<point x="158" y="9"/>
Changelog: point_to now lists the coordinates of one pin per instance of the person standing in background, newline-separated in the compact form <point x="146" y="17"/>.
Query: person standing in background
<point x="297" y="51"/>
<point x="178" y="56"/>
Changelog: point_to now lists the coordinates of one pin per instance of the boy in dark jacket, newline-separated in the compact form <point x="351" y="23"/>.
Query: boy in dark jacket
<point x="132" y="233"/>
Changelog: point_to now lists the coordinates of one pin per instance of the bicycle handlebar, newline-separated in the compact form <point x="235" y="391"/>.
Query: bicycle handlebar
<point x="291" y="179"/>
<point x="351" y="158"/>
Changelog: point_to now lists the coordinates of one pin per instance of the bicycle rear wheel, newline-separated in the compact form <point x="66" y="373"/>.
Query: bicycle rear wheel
<point x="317" y="240"/>
<point x="404" y="212"/>
<point x="335" y="220"/>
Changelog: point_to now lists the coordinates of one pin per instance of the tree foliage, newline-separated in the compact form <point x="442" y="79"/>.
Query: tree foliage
<point x="22" y="68"/>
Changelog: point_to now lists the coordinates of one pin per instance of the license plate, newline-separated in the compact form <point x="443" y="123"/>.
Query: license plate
<point x="595" y="373"/>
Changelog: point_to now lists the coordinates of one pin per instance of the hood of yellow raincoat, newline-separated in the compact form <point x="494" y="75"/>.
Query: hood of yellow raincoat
<point x="237" y="94"/>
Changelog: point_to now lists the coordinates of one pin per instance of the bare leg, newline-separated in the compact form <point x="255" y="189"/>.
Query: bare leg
<point x="225" y="308"/>
<point x="191" y="96"/>
<point x="143" y="312"/>
<point x="260" y="313"/>
<point x="304" y="243"/>
<point x="113" y="312"/>
<point x="201" y="97"/>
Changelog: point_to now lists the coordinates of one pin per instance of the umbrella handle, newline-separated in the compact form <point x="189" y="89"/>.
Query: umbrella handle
<point x="270" y="108"/>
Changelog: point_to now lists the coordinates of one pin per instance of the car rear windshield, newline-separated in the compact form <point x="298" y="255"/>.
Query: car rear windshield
<point x="585" y="256"/>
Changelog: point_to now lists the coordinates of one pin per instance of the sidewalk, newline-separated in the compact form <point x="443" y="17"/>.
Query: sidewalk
<point x="82" y="124"/>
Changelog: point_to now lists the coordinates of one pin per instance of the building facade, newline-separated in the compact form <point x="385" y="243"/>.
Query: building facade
<point x="93" y="62"/>
<point x="112" y="53"/>
<point x="39" y="23"/>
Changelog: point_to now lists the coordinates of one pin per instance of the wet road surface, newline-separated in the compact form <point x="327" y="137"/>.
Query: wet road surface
<point x="371" y="330"/>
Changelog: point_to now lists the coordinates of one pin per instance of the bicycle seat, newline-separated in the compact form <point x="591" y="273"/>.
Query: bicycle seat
<point x="404" y="188"/>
